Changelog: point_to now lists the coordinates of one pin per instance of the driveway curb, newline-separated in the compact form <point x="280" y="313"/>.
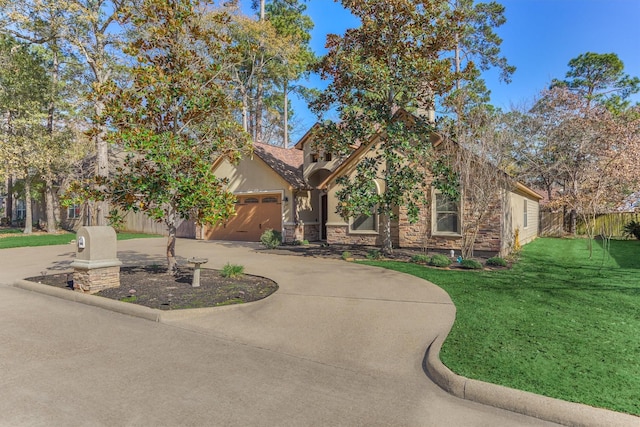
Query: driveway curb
<point x="106" y="303"/>
<point x="522" y="402"/>
<point x="135" y="310"/>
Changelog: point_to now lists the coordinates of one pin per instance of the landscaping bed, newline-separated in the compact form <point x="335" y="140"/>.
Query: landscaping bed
<point x="152" y="287"/>
<point x="359" y="253"/>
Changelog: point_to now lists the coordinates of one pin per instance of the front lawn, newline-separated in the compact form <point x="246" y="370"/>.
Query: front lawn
<point x="556" y="324"/>
<point x="12" y="238"/>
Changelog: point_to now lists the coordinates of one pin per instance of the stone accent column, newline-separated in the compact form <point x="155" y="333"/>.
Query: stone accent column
<point x="96" y="266"/>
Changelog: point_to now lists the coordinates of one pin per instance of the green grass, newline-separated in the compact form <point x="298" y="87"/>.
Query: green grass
<point x="18" y="240"/>
<point x="10" y="231"/>
<point x="556" y="324"/>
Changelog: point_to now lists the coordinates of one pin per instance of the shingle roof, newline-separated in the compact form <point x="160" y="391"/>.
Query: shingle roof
<point x="287" y="162"/>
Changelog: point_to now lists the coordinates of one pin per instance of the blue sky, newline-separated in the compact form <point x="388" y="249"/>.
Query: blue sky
<point x="539" y="38"/>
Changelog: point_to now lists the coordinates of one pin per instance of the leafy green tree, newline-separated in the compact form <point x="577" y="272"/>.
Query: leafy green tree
<point x="393" y="60"/>
<point x="24" y="84"/>
<point x="40" y="24"/>
<point x="264" y="57"/>
<point x="477" y="49"/>
<point x="72" y="31"/>
<point x="290" y="23"/>
<point x="173" y="119"/>
<point x="92" y="30"/>
<point x="250" y="43"/>
<point x="600" y="78"/>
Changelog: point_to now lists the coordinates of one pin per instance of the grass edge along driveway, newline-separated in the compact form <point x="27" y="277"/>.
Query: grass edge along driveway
<point x="18" y="240"/>
<point x="557" y="324"/>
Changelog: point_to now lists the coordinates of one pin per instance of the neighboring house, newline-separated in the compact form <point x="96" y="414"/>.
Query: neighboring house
<point x="19" y="211"/>
<point x="294" y="191"/>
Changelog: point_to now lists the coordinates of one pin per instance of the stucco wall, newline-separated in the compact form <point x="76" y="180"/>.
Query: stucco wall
<point x="308" y="205"/>
<point x="338" y="230"/>
<point x="517" y="201"/>
<point x="252" y="175"/>
<point x="311" y="167"/>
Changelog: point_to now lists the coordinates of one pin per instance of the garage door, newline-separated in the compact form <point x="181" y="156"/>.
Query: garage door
<point x="254" y="214"/>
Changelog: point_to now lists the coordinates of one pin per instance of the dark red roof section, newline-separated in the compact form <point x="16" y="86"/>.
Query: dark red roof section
<point x="287" y="162"/>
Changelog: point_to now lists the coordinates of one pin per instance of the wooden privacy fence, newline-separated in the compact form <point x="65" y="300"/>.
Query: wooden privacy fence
<point x="551" y="223"/>
<point x="611" y="224"/>
<point x="138" y="222"/>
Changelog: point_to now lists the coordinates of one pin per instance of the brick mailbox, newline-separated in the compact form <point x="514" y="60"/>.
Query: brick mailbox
<point x="96" y="266"/>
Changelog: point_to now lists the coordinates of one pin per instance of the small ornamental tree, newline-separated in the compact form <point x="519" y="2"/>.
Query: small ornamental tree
<point x="478" y="151"/>
<point x="173" y="120"/>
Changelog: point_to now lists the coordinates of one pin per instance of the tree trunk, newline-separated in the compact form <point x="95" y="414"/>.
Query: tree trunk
<point x="286" y="115"/>
<point x="260" y="84"/>
<point x="48" y="190"/>
<point x="102" y="164"/>
<point x="28" y="216"/>
<point x="172" y="264"/>
<point x="245" y="111"/>
<point x="50" y="206"/>
<point x="574" y="213"/>
<point x="56" y="208"/>
<point x="468" y="242"/>
<point x="573" y="221"/>
<point x="457" y="60"/>
<point x="259" y="102"/>
<point x="387" y="244"/>
<point x="9" y="210"/>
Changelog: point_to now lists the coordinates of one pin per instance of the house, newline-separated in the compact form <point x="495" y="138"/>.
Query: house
<point x="19" y="211"/>
<point x="294" y="191"/>
<point x="271" y="194"/>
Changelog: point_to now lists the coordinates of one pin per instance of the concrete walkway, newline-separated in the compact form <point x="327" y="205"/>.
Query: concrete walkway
<point x="337" y="344"/>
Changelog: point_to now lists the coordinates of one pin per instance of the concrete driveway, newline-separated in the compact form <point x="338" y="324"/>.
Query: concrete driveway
<point x="337" y="344"/>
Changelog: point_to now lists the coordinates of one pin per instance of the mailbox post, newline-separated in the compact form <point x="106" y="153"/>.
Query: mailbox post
<point x="96" y="266"/>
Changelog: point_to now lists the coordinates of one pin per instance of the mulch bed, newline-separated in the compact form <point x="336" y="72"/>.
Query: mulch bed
<point x="335" y="251"/>
<point x="153" y="287"/>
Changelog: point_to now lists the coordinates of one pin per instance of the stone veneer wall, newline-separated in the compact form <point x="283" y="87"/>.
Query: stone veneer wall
<point x="310" y="232"/>
<point x="418" y="235"/>
<point x="97" y="279"/>
<point x="339" y="234"/>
